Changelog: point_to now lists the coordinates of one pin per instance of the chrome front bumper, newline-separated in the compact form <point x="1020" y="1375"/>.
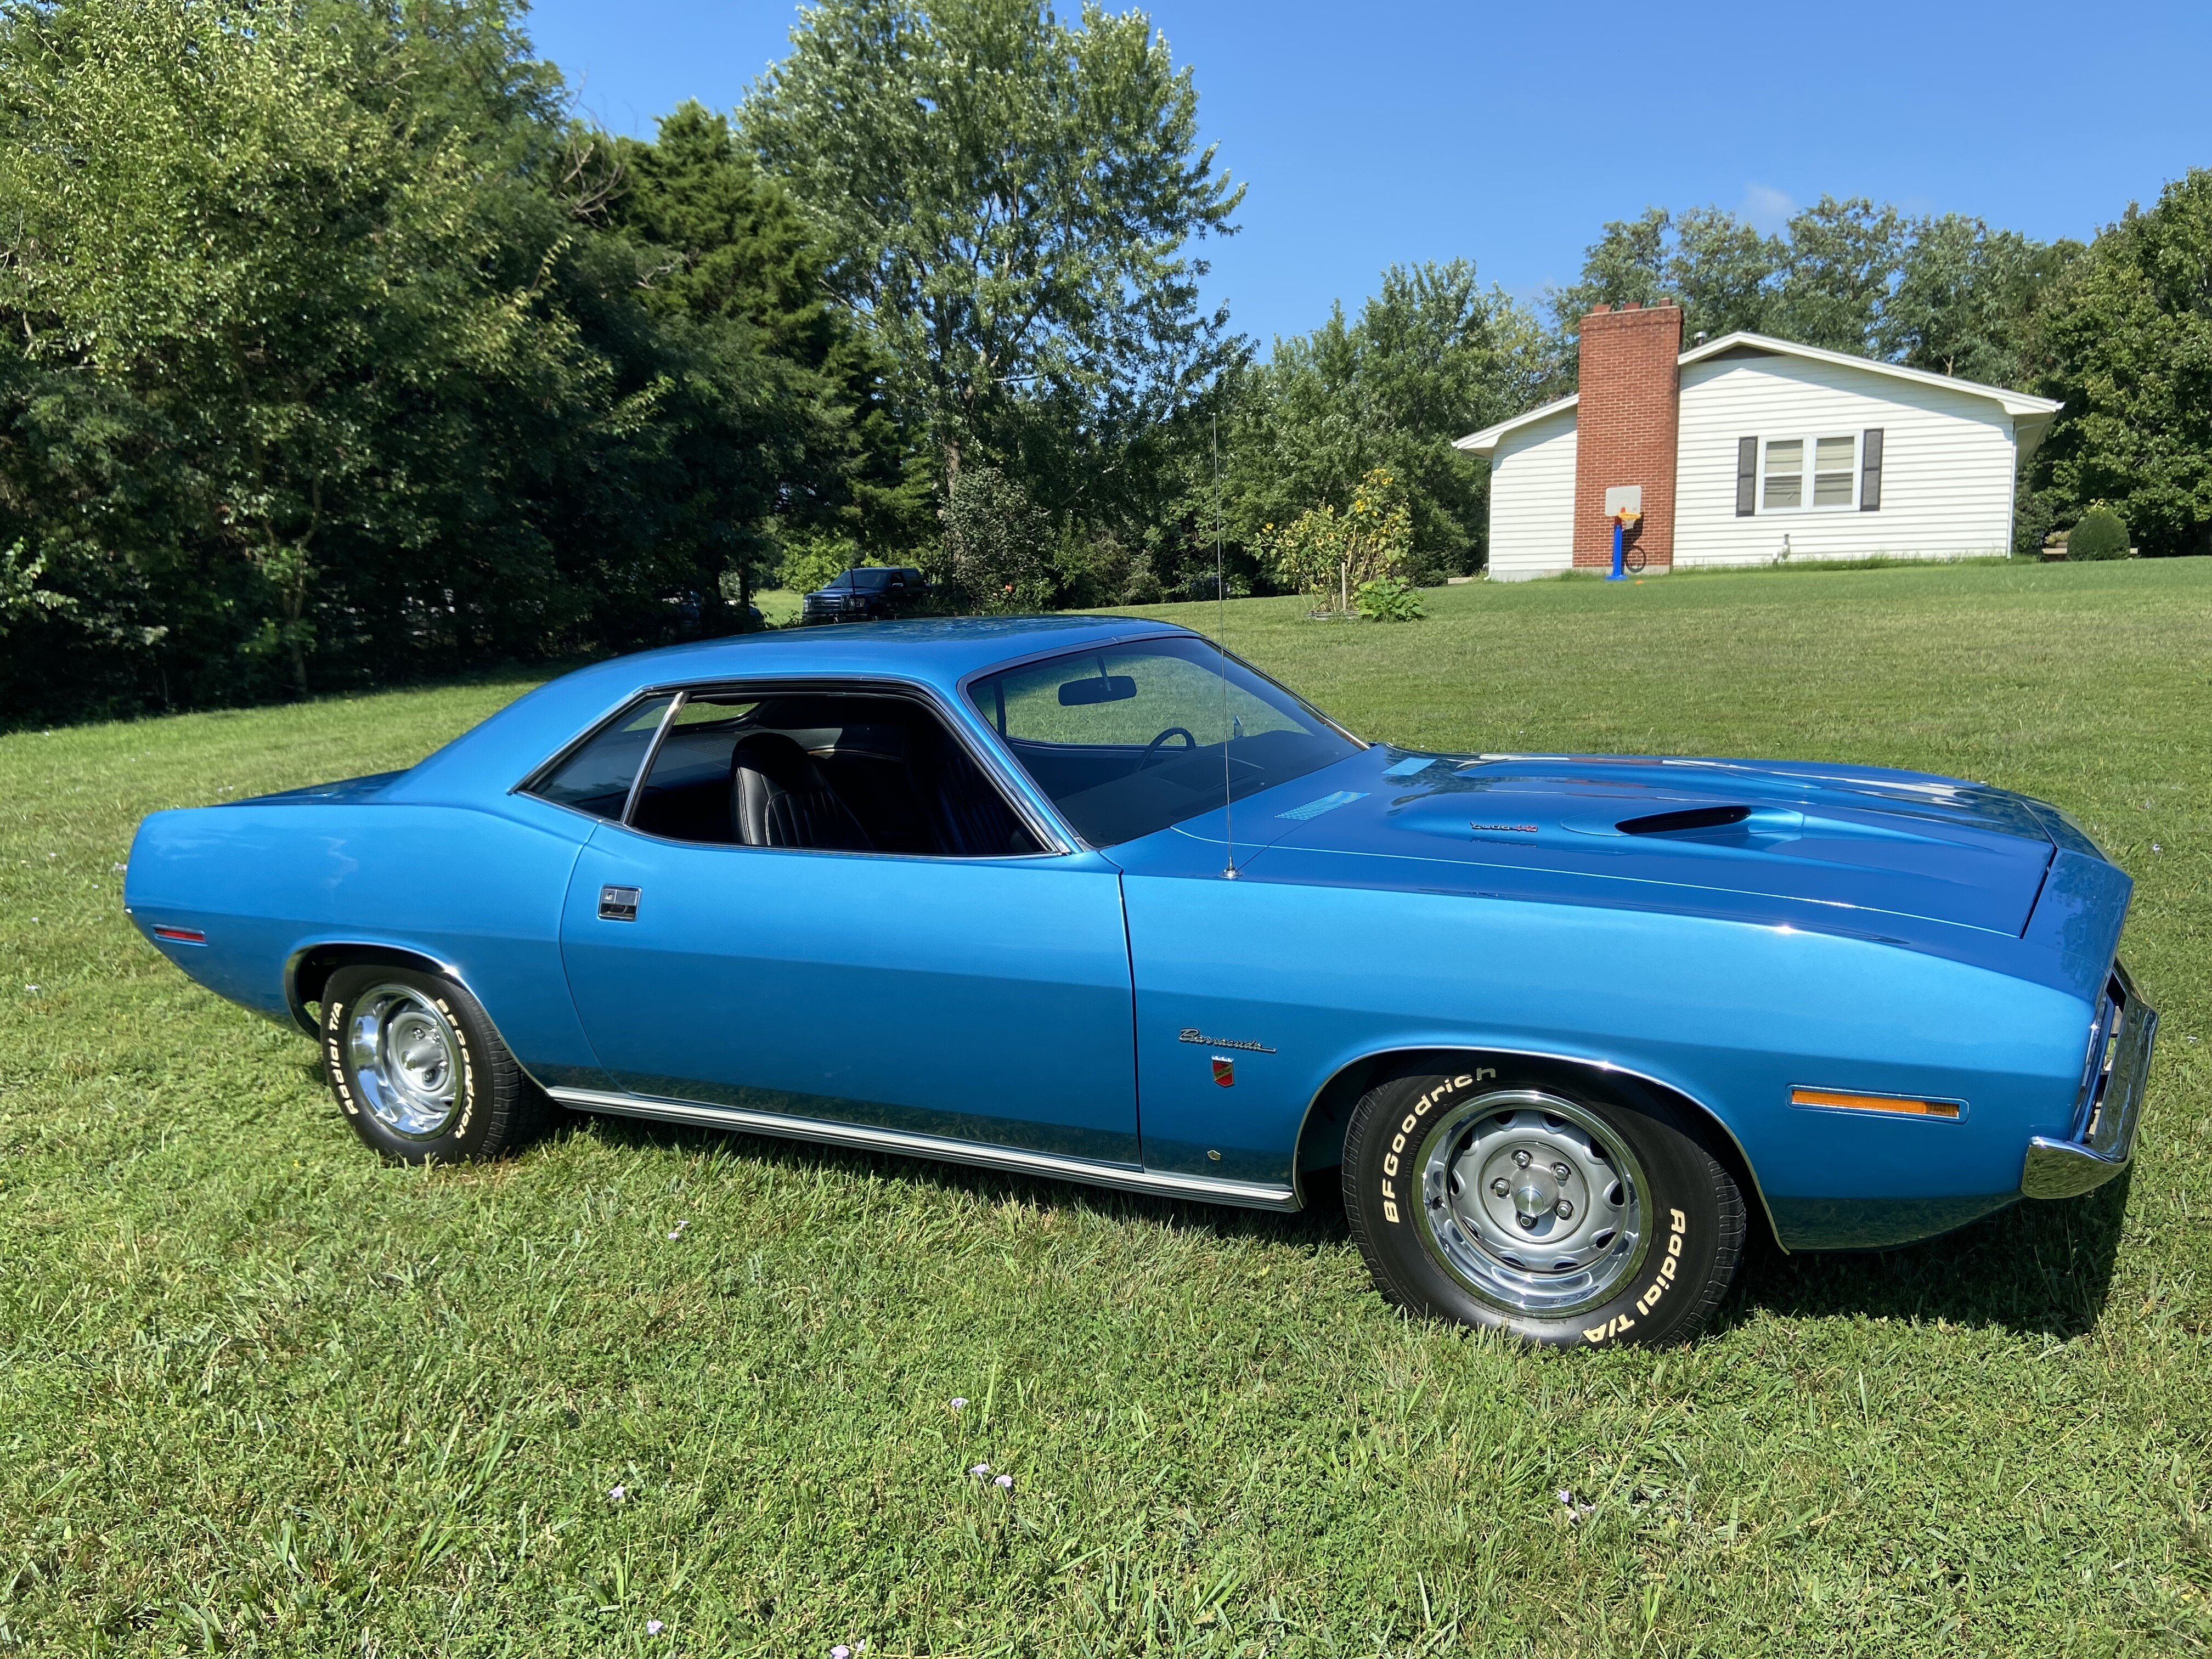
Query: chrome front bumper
<point x="2104" y="1136"/>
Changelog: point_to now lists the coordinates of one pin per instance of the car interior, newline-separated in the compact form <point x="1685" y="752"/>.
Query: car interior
<point x="829" y="772"/>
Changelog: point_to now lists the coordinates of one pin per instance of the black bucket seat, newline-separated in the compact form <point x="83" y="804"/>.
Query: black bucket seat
<point x="779" y="798"/>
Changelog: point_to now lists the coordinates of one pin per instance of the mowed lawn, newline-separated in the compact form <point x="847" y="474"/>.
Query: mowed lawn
<point x="263" y="1395"/>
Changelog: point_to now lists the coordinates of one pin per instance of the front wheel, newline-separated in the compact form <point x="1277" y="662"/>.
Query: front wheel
<point x="1522" y="1197"/>
<point x="419" y="1071"/>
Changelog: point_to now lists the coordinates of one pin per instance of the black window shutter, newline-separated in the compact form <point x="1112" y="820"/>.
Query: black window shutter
<point x="1747" y="476"/>
<point x="1870" y="470"/>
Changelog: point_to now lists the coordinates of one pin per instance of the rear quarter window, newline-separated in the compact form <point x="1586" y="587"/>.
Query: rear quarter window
<point x="597" y="777"/>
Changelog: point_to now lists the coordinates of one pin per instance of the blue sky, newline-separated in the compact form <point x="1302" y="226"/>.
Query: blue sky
<point x="1377" y="133"/>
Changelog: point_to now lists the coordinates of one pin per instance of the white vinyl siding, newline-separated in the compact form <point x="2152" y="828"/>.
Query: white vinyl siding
<point x="1946" y="464"/>
<point x="1531" y="499"/>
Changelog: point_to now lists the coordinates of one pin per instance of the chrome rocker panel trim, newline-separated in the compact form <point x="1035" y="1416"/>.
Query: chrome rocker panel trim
<point x="2065" y="1169"/>
<point x="1249" y="1194"/>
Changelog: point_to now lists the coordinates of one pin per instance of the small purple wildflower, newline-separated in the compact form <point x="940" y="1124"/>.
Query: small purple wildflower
<point x="981" y="1470"/>
<point x="1004" y="1483"/>
<point x="617" y="1494"/>
<point x="840" y="1651"/>
<point x="959" y="1404"/>
<point x="653" y="1627"/>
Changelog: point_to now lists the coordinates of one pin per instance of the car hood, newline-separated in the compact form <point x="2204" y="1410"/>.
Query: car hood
<point x="1729" y="837"/>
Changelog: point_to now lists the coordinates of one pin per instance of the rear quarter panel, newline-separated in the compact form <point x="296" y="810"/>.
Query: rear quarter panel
<point x="478" y="889"/>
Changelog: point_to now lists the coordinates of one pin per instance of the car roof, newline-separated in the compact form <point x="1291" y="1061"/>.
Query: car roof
<point x="938" y="652"/>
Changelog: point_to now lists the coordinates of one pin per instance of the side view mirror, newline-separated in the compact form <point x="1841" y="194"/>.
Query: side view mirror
<point x="1107" y="688"/>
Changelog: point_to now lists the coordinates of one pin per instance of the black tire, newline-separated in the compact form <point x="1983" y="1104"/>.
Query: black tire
<point x="418" y="1070"/>
<point x="1637" y="1242"/>
<point x="1634" y="559"/>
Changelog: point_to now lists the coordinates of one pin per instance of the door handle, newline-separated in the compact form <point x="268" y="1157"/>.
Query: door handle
<point x="618" y="903"/>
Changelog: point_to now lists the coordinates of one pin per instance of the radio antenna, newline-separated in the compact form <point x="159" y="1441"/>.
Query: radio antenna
<point x="1221" y="645"/>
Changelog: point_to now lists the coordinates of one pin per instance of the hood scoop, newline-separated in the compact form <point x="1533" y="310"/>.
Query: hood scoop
<point x="1687" y="821"/>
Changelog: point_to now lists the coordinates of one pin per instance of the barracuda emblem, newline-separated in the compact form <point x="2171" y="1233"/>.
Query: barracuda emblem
<point x="1192" y="1034"/>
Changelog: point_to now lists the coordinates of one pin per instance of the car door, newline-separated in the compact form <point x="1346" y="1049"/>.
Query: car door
<point x="982" y="998"/>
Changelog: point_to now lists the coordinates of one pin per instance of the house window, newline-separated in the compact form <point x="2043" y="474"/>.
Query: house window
<point x="1834" y="460"/>
<point x="1785" y="473"/>
<point x="1784" y="487"/>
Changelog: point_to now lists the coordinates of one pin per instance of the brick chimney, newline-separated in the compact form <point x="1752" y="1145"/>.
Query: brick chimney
<point x="1625" y="429"/>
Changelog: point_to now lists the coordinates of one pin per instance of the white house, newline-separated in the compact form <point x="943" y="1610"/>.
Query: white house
<point x="1747" y="449"/>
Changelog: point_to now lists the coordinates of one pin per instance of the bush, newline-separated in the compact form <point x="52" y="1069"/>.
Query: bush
<point x="815" y="561"/>
<point x="1388" y="599"/>
<point x="2100" y="535"/>
<point x="999" y="543"/>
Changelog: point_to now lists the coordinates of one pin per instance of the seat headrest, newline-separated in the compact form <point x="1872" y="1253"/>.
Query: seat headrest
<point x="776" y="758"/>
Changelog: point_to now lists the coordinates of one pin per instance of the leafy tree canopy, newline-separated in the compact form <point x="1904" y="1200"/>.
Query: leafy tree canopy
<point x="2127" y="342"/>
<point x="1432" y="357"/>
<point x="1945" y="294"/>
<point x="1013" y="201"/>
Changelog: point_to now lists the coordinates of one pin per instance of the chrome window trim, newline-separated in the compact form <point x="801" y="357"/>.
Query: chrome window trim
<point x="652" y="754"/>
<point x="1159" y="1183"/>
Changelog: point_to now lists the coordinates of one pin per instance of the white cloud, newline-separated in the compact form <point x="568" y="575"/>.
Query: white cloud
<point x="1766" y="208"/>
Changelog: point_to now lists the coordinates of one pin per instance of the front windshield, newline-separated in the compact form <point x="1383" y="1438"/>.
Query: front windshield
<point x="1132" y="738"/>
<point x="868" y="581"/>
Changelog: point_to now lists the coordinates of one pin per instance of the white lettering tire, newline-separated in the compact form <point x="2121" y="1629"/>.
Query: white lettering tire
<point x="417" y="1069"/>
<point x="1522" y="1195"/>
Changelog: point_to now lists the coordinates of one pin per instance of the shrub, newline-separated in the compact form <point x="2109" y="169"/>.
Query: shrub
<point x="1388" y="599"/>
<point x="810" y="562"/>
<point x="998" y="543"/>
<point x="1323" y="548"/>
<point x="2098" y="535"/>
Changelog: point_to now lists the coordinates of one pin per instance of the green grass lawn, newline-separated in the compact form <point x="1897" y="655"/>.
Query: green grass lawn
<point x="261" y="1394"/>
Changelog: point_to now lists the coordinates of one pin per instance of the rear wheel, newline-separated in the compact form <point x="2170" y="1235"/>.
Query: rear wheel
<point x="418" y="1070"/>
<point x="1521" y="1197"/>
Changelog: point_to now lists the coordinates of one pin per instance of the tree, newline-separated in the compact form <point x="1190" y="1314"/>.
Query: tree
<point x="2126" y="340"/>
<point x="1966" y="298"/>
<point x="1839" y="262"/>
<point x="1012" y="202"/>
<point x="1432" y="357"/>
<point x="1718" y="268"/>
<point x="726" y="250"/>
<point x="319" y="365"/>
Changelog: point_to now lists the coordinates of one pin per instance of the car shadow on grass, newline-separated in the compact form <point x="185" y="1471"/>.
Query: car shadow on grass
<point x="2041" y="1268"/>
<point x="2038" y="1267"/>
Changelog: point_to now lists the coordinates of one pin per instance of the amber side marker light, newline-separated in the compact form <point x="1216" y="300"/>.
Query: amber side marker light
<point x="1874" y="1103"/>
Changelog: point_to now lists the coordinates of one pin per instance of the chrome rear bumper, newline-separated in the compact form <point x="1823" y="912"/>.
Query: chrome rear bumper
<point x="2104" y="1137"/>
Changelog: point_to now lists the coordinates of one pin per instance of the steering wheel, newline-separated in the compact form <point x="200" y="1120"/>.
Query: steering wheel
<point x="1189" y="742"/>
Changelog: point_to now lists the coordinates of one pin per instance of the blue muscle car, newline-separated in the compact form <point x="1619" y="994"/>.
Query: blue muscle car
<point x="1126" y="911"/>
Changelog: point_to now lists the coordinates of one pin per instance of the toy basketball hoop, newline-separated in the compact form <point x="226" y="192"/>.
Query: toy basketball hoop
<point x="1624" y="505"/>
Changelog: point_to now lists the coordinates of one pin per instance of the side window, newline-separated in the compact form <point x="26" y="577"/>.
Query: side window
<point x="687" y="795"/>
<point x="824" y="772"/>
<point x="597" y="778"/>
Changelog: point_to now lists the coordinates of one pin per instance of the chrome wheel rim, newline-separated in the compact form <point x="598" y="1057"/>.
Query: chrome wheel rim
<point x="1534" y="1204"/>
<point x="406" y="1062"/>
